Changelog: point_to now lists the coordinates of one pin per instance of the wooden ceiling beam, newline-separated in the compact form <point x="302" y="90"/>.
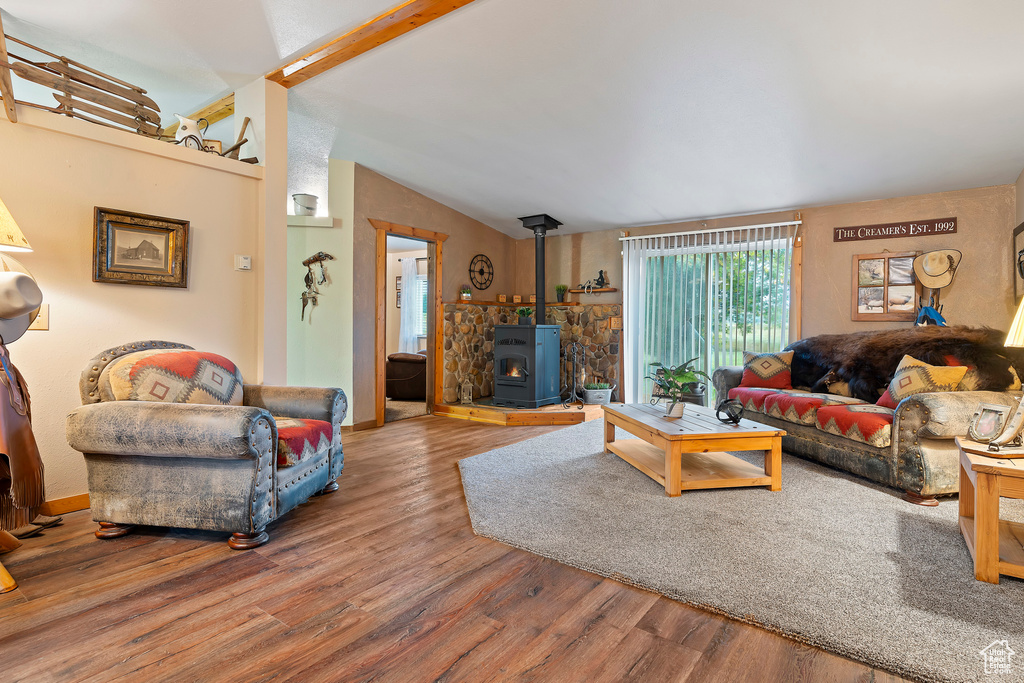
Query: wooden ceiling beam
<point x="219" y="110"/>
<point x="6" y="87"/>
<point x="393" y="23"/>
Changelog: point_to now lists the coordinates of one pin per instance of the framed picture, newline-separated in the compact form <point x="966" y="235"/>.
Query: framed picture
<point x="1018" y="262"/>
<point x="136" y="249"/>
<point x="885" y="287"/>
<point x="988" y="422"/>
<point x="398" y="291"/>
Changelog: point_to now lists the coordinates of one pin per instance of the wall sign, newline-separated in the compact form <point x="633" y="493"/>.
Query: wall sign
<point x="882" y="231"/>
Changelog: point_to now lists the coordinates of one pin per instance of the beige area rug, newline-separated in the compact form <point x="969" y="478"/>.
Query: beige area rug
<point x="401" y="410"/>
<point x="830" y="560"/>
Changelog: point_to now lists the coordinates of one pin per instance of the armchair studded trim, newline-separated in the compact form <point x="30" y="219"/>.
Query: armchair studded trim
<point x="88" y="385"/>
<point x="329" y="405"/>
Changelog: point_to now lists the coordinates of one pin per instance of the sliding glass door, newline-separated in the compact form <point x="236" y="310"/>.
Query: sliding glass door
<point x="705" y="295"/>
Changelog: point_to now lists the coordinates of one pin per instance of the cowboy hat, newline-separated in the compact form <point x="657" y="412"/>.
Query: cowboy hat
<point x="935" y="269"/>
<point x="20" y="298"/>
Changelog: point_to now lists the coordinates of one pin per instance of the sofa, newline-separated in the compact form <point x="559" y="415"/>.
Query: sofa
<point x="910" y="447"/>
<point x="406" y="376"/>
<point x="173" y="437"/>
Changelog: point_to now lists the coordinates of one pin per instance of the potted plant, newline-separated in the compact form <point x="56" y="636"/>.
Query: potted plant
<point x="524" y="313"/>
<point x="679" y="384"/>
<point x="560" y="291"/>
<point x="599" y="393"/>
<point x="465" y="293"/>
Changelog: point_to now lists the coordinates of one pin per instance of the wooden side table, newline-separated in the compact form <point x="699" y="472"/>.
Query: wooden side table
<point x="996" y="545"/>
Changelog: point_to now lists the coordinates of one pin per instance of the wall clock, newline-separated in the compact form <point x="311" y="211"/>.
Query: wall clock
<point x="481" y="272"/>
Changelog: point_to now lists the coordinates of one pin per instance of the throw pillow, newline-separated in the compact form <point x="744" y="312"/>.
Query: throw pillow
<point x="916" y="377"/>
<point x="172" y="376"/>
<point x="767" y="370"/>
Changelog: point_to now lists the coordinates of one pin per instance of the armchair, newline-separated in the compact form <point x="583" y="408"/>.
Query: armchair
<point x="172" y="437"/>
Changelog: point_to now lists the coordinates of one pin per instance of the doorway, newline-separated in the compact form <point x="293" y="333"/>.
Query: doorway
<point x="408" y="335"/>
<point x="407" y="299"/>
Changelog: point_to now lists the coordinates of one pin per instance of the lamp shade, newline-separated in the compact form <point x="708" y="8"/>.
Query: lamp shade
<point x="11" y="237"/>
<point x="1015" y="337"/>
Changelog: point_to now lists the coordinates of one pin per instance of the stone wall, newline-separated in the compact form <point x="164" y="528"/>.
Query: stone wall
<point x="469" y="342"/>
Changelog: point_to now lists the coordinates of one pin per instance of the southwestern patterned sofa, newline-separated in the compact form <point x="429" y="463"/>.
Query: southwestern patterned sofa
<point x="910" y="446"/>
<point x="172" y="437"/>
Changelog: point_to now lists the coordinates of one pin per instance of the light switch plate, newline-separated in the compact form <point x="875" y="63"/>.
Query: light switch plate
<point x="42" y="321"/>
<point x="243" y="262"/>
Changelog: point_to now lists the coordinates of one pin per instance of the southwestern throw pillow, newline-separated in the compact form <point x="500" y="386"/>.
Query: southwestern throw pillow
<point x="768" y="370"/>
<point x="172" y="376"/>
<point x="916" y="377"/>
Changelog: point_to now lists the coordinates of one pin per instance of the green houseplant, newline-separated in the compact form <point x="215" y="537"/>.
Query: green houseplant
<point x="524" y="313"/>
<point x="599" y="393"/>
<point x="680" y="384"/>
<point x="560" y="291"/>
<point x="465" y="293"/>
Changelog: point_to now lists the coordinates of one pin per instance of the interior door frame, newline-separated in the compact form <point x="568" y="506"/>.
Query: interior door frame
<point x="435" y="333"/>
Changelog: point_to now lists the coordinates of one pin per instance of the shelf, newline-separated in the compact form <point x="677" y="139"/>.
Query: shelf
<point x="527" y="304"/>
<point x="313" y="222"/>
<point x="594" y="291"/>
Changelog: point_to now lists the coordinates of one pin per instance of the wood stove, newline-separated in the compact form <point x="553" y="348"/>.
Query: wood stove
<point x="526" y="359"/>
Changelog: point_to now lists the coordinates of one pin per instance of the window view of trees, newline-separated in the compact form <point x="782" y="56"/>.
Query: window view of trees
<point x="715" y="305"/>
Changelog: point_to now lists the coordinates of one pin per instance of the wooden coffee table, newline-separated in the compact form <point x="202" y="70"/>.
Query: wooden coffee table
<point x="688" y="453"/>
<point x="996" y="545"/>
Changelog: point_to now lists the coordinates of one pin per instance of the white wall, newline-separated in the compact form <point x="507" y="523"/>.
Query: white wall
<point x="55" y="171"/>
<point x="392" y="313"/>
<point x="320" y="347"/>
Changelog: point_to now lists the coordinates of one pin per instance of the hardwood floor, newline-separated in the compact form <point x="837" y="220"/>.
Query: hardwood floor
<point x="383" y="580"/>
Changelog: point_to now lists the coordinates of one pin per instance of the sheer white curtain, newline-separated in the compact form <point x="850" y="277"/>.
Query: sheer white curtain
<point x="708" y="295"/>
<point x="408" y="328"/>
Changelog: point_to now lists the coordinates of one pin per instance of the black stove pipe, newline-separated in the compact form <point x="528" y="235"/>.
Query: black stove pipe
<point x="540" y="224"/>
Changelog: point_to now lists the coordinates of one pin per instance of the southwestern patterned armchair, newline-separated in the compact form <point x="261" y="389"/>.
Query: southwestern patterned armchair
<point x="172" y="437"/>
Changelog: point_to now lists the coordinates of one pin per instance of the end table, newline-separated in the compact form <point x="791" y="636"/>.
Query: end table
<point x="996" y="545"/>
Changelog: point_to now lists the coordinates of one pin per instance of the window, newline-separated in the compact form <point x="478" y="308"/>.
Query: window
<point x="420" y="324"/>
<point x="706" y="295"/>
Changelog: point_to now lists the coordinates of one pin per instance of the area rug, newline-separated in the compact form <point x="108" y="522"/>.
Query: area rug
<point x="401" y="410"/>
<point x="829" y="560"/>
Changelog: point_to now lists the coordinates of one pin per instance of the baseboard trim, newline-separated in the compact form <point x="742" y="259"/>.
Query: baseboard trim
<point x="359" y="426"/>
<point x="59" y="506"/>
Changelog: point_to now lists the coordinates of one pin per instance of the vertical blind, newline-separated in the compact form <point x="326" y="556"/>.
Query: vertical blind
<point x="708" y="295"/>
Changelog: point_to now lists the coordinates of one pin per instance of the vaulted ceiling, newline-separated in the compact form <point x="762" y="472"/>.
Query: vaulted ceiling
<point x="602" y="113"/>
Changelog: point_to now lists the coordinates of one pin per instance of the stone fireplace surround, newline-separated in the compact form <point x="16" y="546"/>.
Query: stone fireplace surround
<point x="469" y="341"/>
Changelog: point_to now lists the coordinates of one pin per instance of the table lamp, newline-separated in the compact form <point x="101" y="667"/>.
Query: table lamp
<point x="11" y="237"/>
<point x="1011" y="433"/>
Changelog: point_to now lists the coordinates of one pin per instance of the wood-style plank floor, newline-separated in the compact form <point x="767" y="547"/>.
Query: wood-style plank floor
<point x="382" y="581"/>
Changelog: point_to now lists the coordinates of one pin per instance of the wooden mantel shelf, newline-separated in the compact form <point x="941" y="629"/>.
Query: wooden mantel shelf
<point x="594" y="291"/>
<point x="521" y="304"/>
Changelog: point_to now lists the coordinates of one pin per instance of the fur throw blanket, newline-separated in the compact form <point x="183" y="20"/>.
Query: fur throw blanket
<point x="868" y="360"/>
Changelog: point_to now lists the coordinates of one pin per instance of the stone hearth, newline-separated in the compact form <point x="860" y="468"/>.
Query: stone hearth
<point x="469" y="341"/>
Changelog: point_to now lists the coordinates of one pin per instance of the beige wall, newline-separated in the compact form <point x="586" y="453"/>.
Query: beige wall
<point x="392" y="312"/>
<point x="981" y="294"/>
<point x="982" y="291"/>
<point x="572" y="260"/>
<point x="55" y="171"/>
<point x="1018" y="202"/>
<point x="381" y="198"/>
